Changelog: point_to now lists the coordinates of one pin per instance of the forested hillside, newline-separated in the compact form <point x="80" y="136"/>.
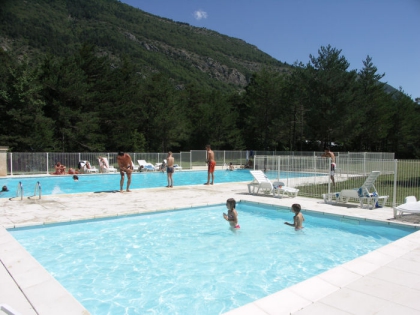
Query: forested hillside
<point x="187" y="54"/>
<point x="100" y="75"/>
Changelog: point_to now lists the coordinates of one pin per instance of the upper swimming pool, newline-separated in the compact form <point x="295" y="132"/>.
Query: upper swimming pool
<point x="190" y="262"/>
<point x="53" y="185"/>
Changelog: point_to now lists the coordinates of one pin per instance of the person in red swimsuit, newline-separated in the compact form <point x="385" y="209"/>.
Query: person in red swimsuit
<point x="211" y="163"/>
<point x="232" y="215"/>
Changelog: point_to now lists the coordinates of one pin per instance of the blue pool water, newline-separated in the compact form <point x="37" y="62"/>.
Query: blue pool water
<point x="52" y="185"/>
<point x="190" y="262"/>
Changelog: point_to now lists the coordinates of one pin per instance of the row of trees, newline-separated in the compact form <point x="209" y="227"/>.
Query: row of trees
<point x="85" y="102"/>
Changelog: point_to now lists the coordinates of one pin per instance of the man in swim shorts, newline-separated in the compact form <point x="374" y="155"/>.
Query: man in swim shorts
<point x="329" y="154"/>
<point x="211" y="163"/>
<point x="126" y="165"/>
<point x="170" y="169"/>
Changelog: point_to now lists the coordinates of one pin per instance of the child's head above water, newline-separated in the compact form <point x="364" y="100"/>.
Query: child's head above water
<point x="231" y="203"/>
<point x="296" y="207"/>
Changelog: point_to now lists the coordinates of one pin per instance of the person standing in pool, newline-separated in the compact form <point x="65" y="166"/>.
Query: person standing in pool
<point x="170" y="169"/>
<point x="232" y="215"/>
<point x="126" y="166"/>
<point x="211" y="164"/>
<point x="297" y="219"/>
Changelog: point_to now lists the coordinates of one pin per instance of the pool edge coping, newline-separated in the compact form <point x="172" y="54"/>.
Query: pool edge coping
<point x="294" y="291"/>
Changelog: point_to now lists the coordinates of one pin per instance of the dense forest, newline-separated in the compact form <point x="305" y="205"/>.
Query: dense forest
<point x="90" y="96"/>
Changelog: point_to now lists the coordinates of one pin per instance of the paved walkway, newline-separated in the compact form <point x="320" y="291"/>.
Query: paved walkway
<point x="386" y="281"/>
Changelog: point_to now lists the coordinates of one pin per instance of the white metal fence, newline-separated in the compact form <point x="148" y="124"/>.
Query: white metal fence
<point x="29" y="163"/>
<point x="398" y="179"/>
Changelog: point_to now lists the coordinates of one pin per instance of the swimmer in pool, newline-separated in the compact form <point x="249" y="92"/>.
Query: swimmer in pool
<point x="232" y="215"/>
<point x="297" y="219"/>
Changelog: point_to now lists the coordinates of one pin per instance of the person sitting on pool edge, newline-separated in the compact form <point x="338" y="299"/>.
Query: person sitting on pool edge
<point x="297" y="219"/>
<point x="73" y="171"/>
<point x="232" y="215"/>
<point x="60" y="169"/>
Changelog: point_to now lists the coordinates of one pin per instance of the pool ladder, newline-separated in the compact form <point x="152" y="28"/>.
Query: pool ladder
<point x="19" y="191"/>
<point x="37" y="191"/>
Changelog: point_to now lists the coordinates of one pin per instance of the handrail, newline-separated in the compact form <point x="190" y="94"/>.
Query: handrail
<point x="19" y="192"/>
<point x="37" y="191"/>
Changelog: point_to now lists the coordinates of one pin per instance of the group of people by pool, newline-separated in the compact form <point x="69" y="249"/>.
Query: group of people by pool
<point x="232" y="215"/>
<point x="126" y="166"/>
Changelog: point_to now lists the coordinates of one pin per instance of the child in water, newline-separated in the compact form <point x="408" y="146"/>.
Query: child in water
<point x="232" y="215"/>
<point x="297" y="219"/>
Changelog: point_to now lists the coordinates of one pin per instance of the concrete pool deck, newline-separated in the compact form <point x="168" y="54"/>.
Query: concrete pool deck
<point x="385" y="281"/>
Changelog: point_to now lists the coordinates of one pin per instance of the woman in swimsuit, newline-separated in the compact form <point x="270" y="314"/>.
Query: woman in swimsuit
<point x="232" y="215"/>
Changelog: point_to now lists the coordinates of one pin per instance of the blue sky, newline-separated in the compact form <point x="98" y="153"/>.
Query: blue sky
<point x="290" y="30"/>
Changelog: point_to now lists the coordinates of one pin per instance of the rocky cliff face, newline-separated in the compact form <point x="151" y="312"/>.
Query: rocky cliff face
<point x="214" y="68"/>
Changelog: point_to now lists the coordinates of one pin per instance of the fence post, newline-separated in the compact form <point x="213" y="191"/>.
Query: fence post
<point x="47" y="162"/>
<point x="11" y="163"/>
<point x="394" y="197"/>
<point x="364" y="163"/>
<point x="329" y="176"/>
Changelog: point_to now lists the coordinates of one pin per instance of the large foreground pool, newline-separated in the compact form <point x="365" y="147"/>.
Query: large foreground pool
<point x="191" y="262"/>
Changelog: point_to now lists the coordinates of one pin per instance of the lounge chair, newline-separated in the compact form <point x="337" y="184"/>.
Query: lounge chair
<point x="367" y="193"/>
<point x="6" y="309"/>
<point x="146" y="166"/>
<point x="260" y="182"/>
<point x="177" y="167"/>
<point x="410" y="205"/>
<point x="104" y="166"/>
<point x="280" y="190"/>
<point x="86" y="167"/>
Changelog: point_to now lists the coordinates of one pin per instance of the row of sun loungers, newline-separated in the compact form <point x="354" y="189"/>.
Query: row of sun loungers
<point x="104" y="166"/>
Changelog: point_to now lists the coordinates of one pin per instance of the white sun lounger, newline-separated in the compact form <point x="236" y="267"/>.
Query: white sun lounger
<point x="146" y="166"/>
<point x="366" y="194"/>
<point x="104" y="166"/>
<point x="411" y="205"/>
<point x="84" y="167"/>
<point x="260" y="182"/>
<point x="6" y="309"/>
<point x="280" y="190"/>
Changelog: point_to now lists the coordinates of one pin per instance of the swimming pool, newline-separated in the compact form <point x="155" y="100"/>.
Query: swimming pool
<point x="52" y="185"/>
<point x="190" y="262"/>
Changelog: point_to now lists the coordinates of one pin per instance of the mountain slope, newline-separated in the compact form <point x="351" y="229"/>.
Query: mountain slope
<point x="188" y="54"/>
